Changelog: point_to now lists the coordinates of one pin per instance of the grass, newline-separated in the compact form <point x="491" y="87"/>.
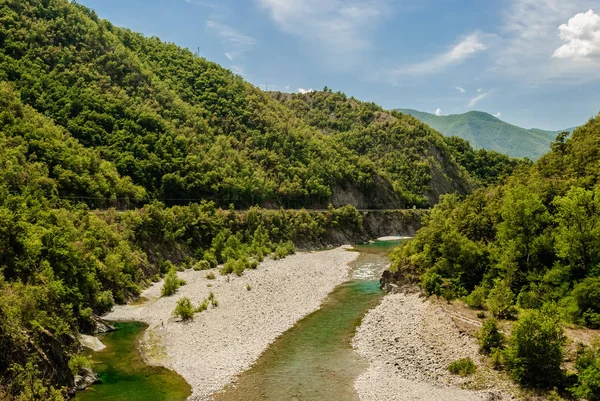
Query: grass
<point x="462" y="367"/>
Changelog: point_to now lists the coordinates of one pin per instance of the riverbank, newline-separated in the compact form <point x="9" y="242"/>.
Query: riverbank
<point x="409" y="343"/>
<point x="224" y="341"/>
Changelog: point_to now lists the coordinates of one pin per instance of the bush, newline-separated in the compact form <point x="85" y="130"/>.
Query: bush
<point x="501" y="300"/>
<point x="172" y="283"/>
<point x="201" y="265"/>
<point x="228" y="267"/>
<point x="284" y="249"/>
<point x="239" y="266"/>
<point x="79" y="362"/>
<point x="588" y="383"/>
<point x="432" y="283"/>
<point x="490" y="337"/>
<point x="536" y="349"/>
<point x="463" y="367"/>
<point x="211" y="259"/>
<point x="480" y="315"/>
<point x="248" y="287"/>
<point x="476" y="299"/>
<point x="588" y="379"/>
<point x="210" y="276"/>
<point x="202" y="307"/>
<point x="184" y="309"/>
<point x="587" y="296"/>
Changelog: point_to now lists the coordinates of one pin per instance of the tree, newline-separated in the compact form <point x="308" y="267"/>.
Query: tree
<point x="536" y="348"/>
<point x="578" y="232"/>
<point x="171" y="284"/>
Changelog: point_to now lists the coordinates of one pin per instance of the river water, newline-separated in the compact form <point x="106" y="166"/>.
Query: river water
<point x="312" y="361"/>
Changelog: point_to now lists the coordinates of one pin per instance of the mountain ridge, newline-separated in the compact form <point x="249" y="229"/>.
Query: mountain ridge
<point x="486" y="131"/>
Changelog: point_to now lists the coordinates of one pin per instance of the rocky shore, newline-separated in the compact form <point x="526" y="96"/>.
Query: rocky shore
<point x="409" y="343"/>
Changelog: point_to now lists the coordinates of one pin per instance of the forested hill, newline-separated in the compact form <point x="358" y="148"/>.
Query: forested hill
<point x="178" y="125"/>
<point x="485" y="131"/>
<point x="418" y="159"/>
<point x="184" y="128"/>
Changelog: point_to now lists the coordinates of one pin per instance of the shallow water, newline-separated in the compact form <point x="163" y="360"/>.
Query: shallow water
<point x="314" y="360"/>
<point x="124" y="374"/>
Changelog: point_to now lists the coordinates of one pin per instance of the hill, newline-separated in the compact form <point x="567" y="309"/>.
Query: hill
<point x="484" y="131"/>
<point x="417" y="159"/>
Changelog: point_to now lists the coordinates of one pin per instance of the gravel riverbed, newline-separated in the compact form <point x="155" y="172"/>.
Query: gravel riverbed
<point x="409" y="343"/>
<point x="220" y="343"/>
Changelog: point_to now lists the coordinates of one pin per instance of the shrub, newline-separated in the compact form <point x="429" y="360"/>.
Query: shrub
<point x="184" y="309"/>
<point x="497" y="358"/>
<point x="588" y="379"/>
<point x="587" y="296"/>
<point x="284" y="249"/>
<point x="501" y="300"/>
<point x="79" y="362"/>
<point x="228" y="267"/>
<point x="201" y="265"/>
<point x="432" y="283"/>
<point x="171" y="284"/>
<point x="490" y="337"/>
<point x="248" y="287"/>
<point x="463" y="367"/>
<point x="202" y="307"/>
<point x="214" y="302"/>
<point x="210" y="276"/>
<point x="536" y="348"/>
<point x="239" y="266"/>
<point x="588" y="383"/>
<point x="481" y="314"/>
<point x="104" y="301"/>
<point x="476" y="299"/>
<point x="252" y="264"/>
<point x="211" y="259"/>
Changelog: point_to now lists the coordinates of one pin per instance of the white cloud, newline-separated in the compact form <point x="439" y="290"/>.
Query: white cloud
<point x="497" y="115"/>
<point x="287" y="87"/>
<point x="531" y="36"/>
<point x="582" y="37"/>
<point x="340" y="26"/>
<point x="460" y="89"/>
<point x="438" y="112"/>
<point x="479" y="90"/>
<point x="458" y="53"/>
<point x="477" y="99"/>
<point x="305" y="91"/>
<point x="236" y="42"/>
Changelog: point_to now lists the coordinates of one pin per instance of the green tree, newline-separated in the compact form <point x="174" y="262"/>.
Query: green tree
<point x="536" y="348"/>
<point x="184" y="309"/>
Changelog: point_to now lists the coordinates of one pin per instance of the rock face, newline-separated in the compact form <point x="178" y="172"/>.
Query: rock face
<point x="85" y="378"/>
<point x="101" y="326"/>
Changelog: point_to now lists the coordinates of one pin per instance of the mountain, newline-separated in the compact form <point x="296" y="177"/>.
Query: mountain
<point x="484" y="131"/>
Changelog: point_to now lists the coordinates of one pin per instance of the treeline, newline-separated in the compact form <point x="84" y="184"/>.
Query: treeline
<point x="530" y="244"/>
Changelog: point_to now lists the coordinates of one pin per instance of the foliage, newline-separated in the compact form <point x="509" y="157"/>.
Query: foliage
<point x="171" y="284"/>
<point x="210" y="276"/>
<point x="501" y="300"/>
<point x="79" y="362"/>
<point x="184" y="309"/>
<point x="588" y="367"/>
<point x="536" y="347"/>
<point x="462" y="367"/>
<point x="490" y="338"/>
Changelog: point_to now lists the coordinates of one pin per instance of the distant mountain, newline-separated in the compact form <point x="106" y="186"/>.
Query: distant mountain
<point x="484" y="131"/>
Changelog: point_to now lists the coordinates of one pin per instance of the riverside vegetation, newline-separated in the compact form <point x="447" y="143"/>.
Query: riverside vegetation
<point x="120" y="156"/>
<point x="527" y="250"/>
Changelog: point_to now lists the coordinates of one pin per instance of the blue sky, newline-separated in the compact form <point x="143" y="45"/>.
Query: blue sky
<point x="535" y="62"/>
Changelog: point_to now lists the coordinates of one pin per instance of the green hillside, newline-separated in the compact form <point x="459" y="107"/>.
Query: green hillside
<point x="484" y="131"/>
<point x="417" y="158"/>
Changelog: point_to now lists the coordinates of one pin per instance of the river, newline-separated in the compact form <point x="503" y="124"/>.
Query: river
<point x="312" y="361"/>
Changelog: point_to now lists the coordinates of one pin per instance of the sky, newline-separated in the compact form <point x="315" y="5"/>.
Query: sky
<point x="533" y="63"/>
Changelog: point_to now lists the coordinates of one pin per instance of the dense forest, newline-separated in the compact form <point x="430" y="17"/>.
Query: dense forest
<point x="531" y="244"/>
